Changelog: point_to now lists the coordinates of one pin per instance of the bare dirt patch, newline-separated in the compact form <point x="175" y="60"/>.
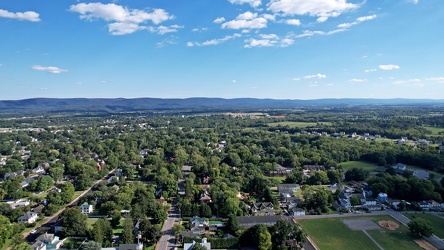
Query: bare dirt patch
<point x="361" y="224"/>
<point x="388" y="224"/>
<point x="425" y="245"/>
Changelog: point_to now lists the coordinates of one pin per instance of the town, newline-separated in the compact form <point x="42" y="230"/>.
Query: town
<point x="281" y="179"/>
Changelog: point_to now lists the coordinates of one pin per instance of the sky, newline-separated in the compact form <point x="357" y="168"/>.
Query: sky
<point x="279" y="49"/>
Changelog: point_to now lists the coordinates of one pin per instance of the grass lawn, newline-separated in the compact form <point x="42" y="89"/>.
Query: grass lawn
<point x="90" y="222"/>
<point x="278" y="179"/>
<point x="434" y="130"/>
<point x="297" y="124"/>
<point x="333" y="234"/>
<point x="358" y="164"/>
<point x="437" y="222"/>
<point x="397" y="239"/>
<point x="118" y="230"/>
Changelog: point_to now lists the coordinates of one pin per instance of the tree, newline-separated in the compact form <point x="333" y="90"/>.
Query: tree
<point x="128" y="227"/>
<point x="263" y="237"/>
<point x="67" y="193"/>
<point x="102" y="232"/>
<point x="354" y="200"/>
<point x="57" y="173"/>
<point x="5" y="229"/>
<point x="91" y="245"/>
<point x="74" y="222"/>
<point x="420" y="227"/>
<point x="22" y="246"/>
<point x="178" y="228"/>
<point x="232" y="224"/>
<point x="115" y="218"/>
<point x="356" y="174"/>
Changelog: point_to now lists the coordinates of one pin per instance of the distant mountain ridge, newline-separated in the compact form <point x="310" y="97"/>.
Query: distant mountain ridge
<point x="117" y="105"/>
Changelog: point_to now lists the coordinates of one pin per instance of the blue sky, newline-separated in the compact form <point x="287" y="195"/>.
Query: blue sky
<point x="280" y="49"/>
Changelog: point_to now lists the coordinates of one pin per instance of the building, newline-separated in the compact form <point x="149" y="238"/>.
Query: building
<point x="28" y="217"/>
<point x="298" y="211"/>
<point x="287" y="188"/>
<point x="86" y="208"/>
<point x="204" y="243"/>
<point x="50" y="241"/>
<point x="262" y="208"/>
<point x="399" y="166"/>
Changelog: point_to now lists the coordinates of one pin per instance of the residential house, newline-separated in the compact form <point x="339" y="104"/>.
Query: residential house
<point x="399" y="166"/>
<point x="298" y="211"/>
<point x="138" y="246"/>
<point x="205" y="198"/>
<point x="204" y="243"/>
<point x="422" y="174"/>
<point x="262" y="208"/>
<point x="38" y="245"/>
<point x="39" y="169"/>
<point x="395" y="203"/>
<point x="198" y="225"/>
<point x="382" y="197"/>
<point x="375" y="207"/>
<point x="28" y="217"/>
<point x="370" y="202"/>
<point x="86" y="208"/>
<point x="433" y="205"/>
<point x="344" y="202"/>
<point x="424" y="205"/>
<point x="18" y="203"/>
<point x="51" y="241"/>
<point x="423" y="142"/>
<point x="288" y="188"/>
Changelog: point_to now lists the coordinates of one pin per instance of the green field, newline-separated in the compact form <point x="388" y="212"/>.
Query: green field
<point x="333" y="234"/>
<point x="437" y="222"/>
<point x="358" y="164"/>
<point x="90" y="222"/>
<point x="297" y="124"/>
<point x="435" y="130"/>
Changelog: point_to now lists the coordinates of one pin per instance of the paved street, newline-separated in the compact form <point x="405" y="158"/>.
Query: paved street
<point x="168" y="240"/>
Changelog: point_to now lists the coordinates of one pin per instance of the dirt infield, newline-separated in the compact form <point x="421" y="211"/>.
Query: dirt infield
<point x="361" y="224"/>
<point x="388" y="224"/>
<point x="425" y="245"/>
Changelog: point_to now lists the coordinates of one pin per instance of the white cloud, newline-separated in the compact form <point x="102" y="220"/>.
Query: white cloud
<point x="268" y="40"/>
<point x="219" y="20"/>
<point x="121" y="20"/>
<point x="357" y="80"/>
<point x="49" y="69"/>
<point x="296" y="22"/>
<point x="22" y="16"/>
<point x="317" y="76"/>
<point x="296" y="79"/>
<point x="234" y="81"/>
<point x="323" y="9"/>
<point x="370" y="70"/>
<point x="269" y="17"/>
<point x="253" y="3"/>
<point x="247" y="20"/>
<point x="161" y="30"/>
<point x="415" y="1"/>
<point x="388" y="67"/>
<point x="199" y="29"/>
<point x="214" y="41"/>
<point x="312" y="85"/>
<point x="358" y="21"/>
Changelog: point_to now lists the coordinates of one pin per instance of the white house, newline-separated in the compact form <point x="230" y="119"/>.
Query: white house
<point x="382" y="197"/>
<point x="86" y="208"/>
<point x="205" y="243"/>
<point x="298" y="212"/>
<point x="28" y="217"/>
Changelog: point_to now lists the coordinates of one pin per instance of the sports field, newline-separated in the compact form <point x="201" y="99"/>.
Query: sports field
<point x="436" y="221"/>
<point x="334" y="234"/>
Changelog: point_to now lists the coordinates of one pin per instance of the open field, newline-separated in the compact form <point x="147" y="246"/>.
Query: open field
<point x="435" y="130"/>
<point x="334" y="234"/>
<point x="297" y="124"/>
<point x="90" y="222"/>
<point x="358" y="164"/>
<point x="437" y="222"/>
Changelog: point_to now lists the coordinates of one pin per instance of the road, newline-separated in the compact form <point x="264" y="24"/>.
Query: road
<point x="168" y="239"/>
<point x="53" y="218"/>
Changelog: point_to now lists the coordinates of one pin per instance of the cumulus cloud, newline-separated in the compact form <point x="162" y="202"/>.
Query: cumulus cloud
<point x="49" y="69"/>
<point x="358" y="21"/>
<point x="121" y="20"/>
<point x="356" y="80"/>
<point x="323" y="9"/>
<point x="199" y="30"/>
<point x="247" y="20"/>
<point x="252" y="3"/>
<point x="388" y="67"/>
<point x="316" y="76"/>
<point x="436" y="79"/>
<point x="296" y="22"/>
<point x="268" y="40"/>
<point x="214" y="41"/>
<point x="22" y="16"/>
<point x="219" y="20"/>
